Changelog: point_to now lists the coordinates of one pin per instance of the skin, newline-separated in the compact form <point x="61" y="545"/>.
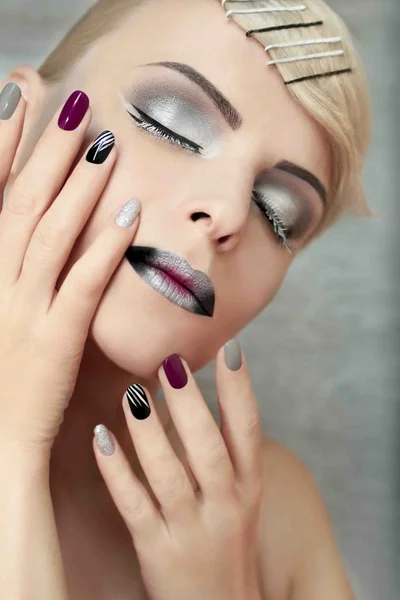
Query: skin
<point x="135" y="328"/>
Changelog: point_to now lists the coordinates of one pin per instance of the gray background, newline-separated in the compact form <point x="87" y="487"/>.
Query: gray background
<point x="324" y="356"/>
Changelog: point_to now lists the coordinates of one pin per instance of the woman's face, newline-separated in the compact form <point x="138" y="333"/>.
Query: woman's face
<point x="211" y="171"/>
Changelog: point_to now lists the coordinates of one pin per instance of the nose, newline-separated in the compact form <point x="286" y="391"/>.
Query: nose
<point x="222" y="210"/>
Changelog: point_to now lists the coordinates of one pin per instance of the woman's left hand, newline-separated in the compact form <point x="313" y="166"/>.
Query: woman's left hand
<point x="198" y="543"/>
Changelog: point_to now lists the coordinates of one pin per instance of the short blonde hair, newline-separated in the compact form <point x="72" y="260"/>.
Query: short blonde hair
<point x="339" y="103"/>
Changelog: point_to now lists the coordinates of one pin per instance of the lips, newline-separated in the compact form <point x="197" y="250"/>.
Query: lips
<point x="174" y="278"/>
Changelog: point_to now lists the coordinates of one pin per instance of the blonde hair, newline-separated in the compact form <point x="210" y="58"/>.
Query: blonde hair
<point x="338" y="103"/>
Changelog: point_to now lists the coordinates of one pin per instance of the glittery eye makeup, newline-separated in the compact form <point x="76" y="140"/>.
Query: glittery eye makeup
<point x="287" y="195"/>
<point x="288" y="205"/>
<point x="173" y="114"/>
<point x="155" y="128"/>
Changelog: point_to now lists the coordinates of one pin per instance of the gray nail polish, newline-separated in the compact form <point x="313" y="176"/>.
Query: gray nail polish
<point x="233" y="355"/>
<point x="104" y="440"/>
<point x="9" y="98"/>
<point x="128" y="213"/>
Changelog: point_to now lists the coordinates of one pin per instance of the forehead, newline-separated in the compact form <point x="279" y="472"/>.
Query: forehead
<point x="200" y="35"/>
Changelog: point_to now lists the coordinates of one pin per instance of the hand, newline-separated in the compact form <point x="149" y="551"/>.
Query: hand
<point x="198" y="544"/>
<point x="44" y="330"/>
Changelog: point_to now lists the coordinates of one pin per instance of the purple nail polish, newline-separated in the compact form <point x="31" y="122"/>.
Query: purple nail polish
<point x="175" y="372"/>
<point x="74" y="110"/>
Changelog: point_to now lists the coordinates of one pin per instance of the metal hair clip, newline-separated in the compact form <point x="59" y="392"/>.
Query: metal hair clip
<point x="271" y="9"/>
<point x="282" y="27"/>
<point x="276" y="8"/>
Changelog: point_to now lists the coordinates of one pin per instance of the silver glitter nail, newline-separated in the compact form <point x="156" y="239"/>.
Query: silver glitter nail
<point x="128" y="213"/>
<point x="104" y="440"/>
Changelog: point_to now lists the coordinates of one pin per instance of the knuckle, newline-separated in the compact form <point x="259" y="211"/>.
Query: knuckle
<point x="217" y="454"/>
<point x="252" y="426"/>
<point x="132" y="502"/>
<point x="46" y="238"/>
<point x="134" y="507"/>
<point x="175" y="485"/>
<point x="92" y="289"/>
<point x="21" y="201"/>
<point x="89" y="287"/>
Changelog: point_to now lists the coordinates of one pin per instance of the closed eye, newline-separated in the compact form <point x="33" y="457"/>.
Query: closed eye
<point x="155" y="128"/>
<point x="281" y="231"/>
<point x="144" y="121"/>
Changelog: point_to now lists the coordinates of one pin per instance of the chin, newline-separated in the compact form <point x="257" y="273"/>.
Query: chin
<point x="137" y="329"/>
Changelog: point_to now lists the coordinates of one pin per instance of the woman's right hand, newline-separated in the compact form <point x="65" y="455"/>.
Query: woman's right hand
<point x="43" y="330"/>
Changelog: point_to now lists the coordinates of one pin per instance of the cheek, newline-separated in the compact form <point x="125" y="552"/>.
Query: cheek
<point x="134" y="326"/>
<point x="255" y="277"/>
<point x="252" y="293"/>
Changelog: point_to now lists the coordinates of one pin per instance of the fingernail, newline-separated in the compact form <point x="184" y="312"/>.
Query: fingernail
<point x="138" y="401"/>
<point x="9" y="99"/>
<point x="233" y="355"/>
<point x="74" y="110"/>
<point x="104" y="440"/>
<point x="175" y="372"/>
<point x="101" y="148"/>
<point x="128" y="213"/>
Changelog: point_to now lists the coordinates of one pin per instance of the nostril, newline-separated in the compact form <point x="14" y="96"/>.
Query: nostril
<point x="199" y="215"/>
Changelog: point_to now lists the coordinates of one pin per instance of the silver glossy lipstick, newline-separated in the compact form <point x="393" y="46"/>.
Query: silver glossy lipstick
<point x="173" y="277"/>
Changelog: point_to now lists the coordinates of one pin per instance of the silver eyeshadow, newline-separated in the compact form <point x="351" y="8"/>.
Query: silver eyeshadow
<point x="179" y="111"/>
<point x="283" y="203"/>
<point x="188" y="114"/>
<point x="289" y="200"/>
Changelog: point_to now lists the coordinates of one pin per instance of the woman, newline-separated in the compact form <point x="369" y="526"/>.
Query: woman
<point x="236" y="159"/>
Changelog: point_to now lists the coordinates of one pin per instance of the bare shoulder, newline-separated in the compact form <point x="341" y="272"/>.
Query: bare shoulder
<point x="299" y="556"/>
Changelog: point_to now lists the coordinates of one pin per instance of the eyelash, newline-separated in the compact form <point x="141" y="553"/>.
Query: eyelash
<point x="281" y="232"/>
<point x="156" y="129"/>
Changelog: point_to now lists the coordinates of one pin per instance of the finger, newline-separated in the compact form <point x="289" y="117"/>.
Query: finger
<point x="90" y="275"/>
<point x="164" y="471"/>
<point x="12" y="113"/>
<point x="205" y="447"/>
<point x="58" y="230"/>
<point x="240" y="417"/>
<point x="40" y="181"/>
<point x="141" y="517"/>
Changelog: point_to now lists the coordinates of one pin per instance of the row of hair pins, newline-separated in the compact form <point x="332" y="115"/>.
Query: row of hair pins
<point x="290" y="9"/>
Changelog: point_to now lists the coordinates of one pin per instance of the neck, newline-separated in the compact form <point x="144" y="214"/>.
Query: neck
<point x="97" y="399"/>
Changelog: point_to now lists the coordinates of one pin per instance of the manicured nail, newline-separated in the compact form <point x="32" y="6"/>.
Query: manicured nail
<point x="74" y="110"/>
<point x="101" y="148"/>
<point x="175" y="372"/>
<point x="233" y="355"/>
<point x="138" y="402"/>
<point x="104" y="440"/>
<point x="128" y="213"/>
<point x="9" y="99"/>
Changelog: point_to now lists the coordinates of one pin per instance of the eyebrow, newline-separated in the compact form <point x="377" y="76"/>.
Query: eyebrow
<point x="307" y="176"/>
<point x="228" y="111"/>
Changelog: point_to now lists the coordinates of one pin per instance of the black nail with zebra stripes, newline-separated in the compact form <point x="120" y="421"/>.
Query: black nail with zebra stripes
<point x="101" y="148"/>
<point x="138" y="402"/>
